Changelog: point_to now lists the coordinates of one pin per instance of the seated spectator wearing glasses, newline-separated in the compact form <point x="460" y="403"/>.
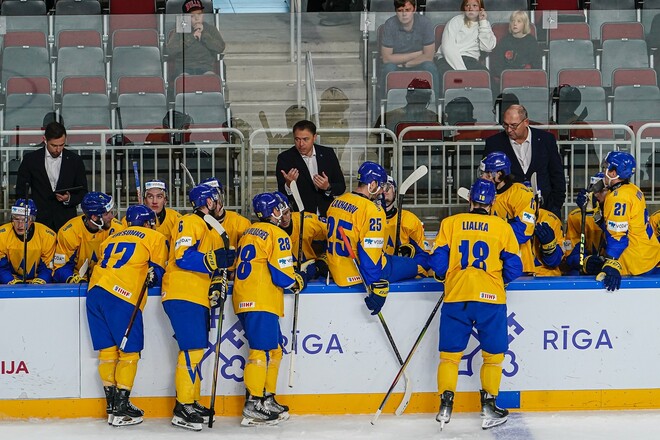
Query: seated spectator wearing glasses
<point x="530" y="151"/>
<point x="464" y="38"/>
<point x="408" y="42"/>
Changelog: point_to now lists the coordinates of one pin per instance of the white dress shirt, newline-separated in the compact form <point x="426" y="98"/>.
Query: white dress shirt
<point x="53" y="166"/>
<point x="523" y="151"/>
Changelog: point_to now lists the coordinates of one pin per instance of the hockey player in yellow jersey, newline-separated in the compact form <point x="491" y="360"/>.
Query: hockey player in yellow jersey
<point x="594" y="241"/>
<point x="196" y="256"/>
<point x="265" y="267"/>
<point x="234" y="223"/>
<point x="631" y="248"/>
<point x="514" y="203"/>
<point x="654" y="220"/>
<point x="411" y="236"/>
<point x="476" y="255"/>
<point x="132" y="260"/>
<point x="547" y="245"/>
<point x="363" y="222"/>
<point x="155" y="198"/>
<point x="40" y="247"/>
<point x="79" y="239"/>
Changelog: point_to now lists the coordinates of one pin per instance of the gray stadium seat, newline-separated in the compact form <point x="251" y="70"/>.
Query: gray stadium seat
<point x="632" y="103"/>
<point x="135" y="61"/>
<point x="203" y="107"/>
<point x="630" y="54"/>
<point x="569" y="54"/>
<point x="535" y="99"/>
<point x="607" y="11"/>
<point x="79" y="61"/>
<point x="481" y="99"/>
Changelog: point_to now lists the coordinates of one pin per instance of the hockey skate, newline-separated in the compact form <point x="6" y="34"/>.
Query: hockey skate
<point x="109" y="401"/>
<point x="124" y="412"/>
<point x="446" y="407"/>
<point x="255" y="413"/>
<point x="185" y="416"/>
<point x="273" y="405"/>
<point x="203" y="411"/>
<point x="491" y="414"/>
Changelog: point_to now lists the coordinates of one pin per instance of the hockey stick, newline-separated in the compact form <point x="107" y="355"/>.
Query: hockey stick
<point x="82" y="272"/>
<point x="124" y="340"/>
<point x="294" y="336"/>
<point x="408" y="385"/>
<point x="138" y="188"/>
<point x="408" y="358"/>
<point x="185" y="168"/>
<point x="535" y="188"/>
<point x="264" y="123"/>
<point x="215" y="224"/>
<point x="583" y="239"/>
<point x="463" y="193"/>
<point x="25" y="231"/>
<point x="410" y="181"/>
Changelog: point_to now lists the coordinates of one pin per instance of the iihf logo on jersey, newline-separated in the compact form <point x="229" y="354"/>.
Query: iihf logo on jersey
<point x="233" y="355"/>
<point x="510" y="368"/>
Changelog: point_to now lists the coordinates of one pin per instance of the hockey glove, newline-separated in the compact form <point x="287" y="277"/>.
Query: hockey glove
<point x="592" y="264"/>
<point x="610" y="275"/>
<point x="308" y="268"/>
<point x="219" y="258"/>
<point x="321" y="264"/>
<point x="546" y="237"/>
<point x="438" y="278"/>
<point x="583" y="198"/>
<point x="76" y="279"/>
<point x="300" y="283"/>
<point x="216" y="289"/>
<point x="16" y="281"/>
<point x="378" y="293"/>
<point x="37" y="281"/>
<point x="406" y="250"/>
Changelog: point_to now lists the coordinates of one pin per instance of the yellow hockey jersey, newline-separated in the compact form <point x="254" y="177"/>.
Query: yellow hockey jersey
<point x="75" y="244"/>
<point x="363" y="223"/>
<point x="628" y="235"/>
<point x="265" y="268"/>
<point x="654" y="219"/>
<point x="541" y="269"/>
<point x="477" y="254"/>
<point x="412" y="229"/>
<point x="126" y="257"/>
<point x="40" y="251"/>
<point x="166" y="227"/>
<point x="515" y="204"/>
<point x="186" y="276"/>
<point x="314" y="230"/>
<point x="593" y="235"/>
<point x="235" y="225"/>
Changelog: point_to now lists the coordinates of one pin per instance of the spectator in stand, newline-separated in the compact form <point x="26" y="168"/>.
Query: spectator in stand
<point x="196" y="51"/>
<point x="464" y="38"/>
<point x="408" y="41"/>
<point x="530" y="151"/>
<point x="418" y="98"/>
<point x="56" y="178"/>
<point x="517" y="50"/>
<point x="314" y="167"/>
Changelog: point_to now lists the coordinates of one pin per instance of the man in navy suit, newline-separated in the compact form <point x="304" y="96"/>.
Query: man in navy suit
<point x="531" y="151"/>
<point x="56" y="178"/>
<point x="315" y="169"/>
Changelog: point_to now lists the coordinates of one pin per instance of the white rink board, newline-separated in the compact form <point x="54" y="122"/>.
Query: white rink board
<point x="573" y="336"/>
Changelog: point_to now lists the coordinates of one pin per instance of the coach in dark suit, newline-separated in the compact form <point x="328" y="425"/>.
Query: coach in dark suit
<point x="531" y="150"/>
<point x="315" y="169"/>
<point x="48" y="170"/>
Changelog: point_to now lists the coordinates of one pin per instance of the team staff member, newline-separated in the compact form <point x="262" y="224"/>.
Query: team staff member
<point x="265" y="268"/>
<point x="155" y="198"/>
<point x="476" y="256"/>
<point x="40" y="247"/>
<point x="196" y="256"/>
<point x="79" y="240"/>
<point x="630" y="245"/>
<point x="56" y="177"/>
<point x="514" y="203"/>
<point x="131" y="258"/>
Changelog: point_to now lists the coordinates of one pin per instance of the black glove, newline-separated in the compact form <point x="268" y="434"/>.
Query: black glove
<point x="322" y="266"/>
<point x="592" y="264"/>
<point x="378" y="293"/>
<point x="219" y="258"/>
<point x="217" y="291"/>
<point x="406" y="250"/>
<point x="610" y="275"/>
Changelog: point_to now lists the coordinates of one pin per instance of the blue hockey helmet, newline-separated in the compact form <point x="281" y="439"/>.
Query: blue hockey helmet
<point x="213" y="182"/>
<point x="371" y="171"/>
<point x="264" y="204"/>
<point x="283" y="200"/>
<point x="495" y="161"/>
<point x="138" y="215"/>
<point x="18" y="208"/>
<point x="200" y="193"/>
<point x="96" y="203"/>
<point x="155" y="183"/>
<point x="391" y="181"/>
<point x="482" y="191"/>
<point x="620" y="161"/>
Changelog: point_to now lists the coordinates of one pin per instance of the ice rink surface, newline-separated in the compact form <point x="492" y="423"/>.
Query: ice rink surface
<point x="582" y="425"/>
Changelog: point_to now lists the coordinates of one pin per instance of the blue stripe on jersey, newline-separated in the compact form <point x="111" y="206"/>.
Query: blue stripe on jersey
<point x="368" y="270"/>
<point x="192" y="260"/>
<point x="511" y="266"/>
<point x="519" y="229"/>
<point x="614" y="247"/>
<point x="439" y="261"/>
<point x="280" y="278"/>
<point x="554" y="259"/>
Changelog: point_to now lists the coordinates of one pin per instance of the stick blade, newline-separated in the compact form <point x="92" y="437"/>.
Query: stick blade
<point x="376" y="415"/>
<point x="406" y="395"/>
<point x="296" y="196"/>
<point x="463" y="193"/>
<point x="420" y="172"/>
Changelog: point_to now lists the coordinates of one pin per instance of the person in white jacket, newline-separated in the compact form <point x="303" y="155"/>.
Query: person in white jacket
<point x="464" y="38"/>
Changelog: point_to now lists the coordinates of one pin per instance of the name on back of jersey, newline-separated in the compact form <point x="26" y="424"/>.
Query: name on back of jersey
<point x="475" y="226"/>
